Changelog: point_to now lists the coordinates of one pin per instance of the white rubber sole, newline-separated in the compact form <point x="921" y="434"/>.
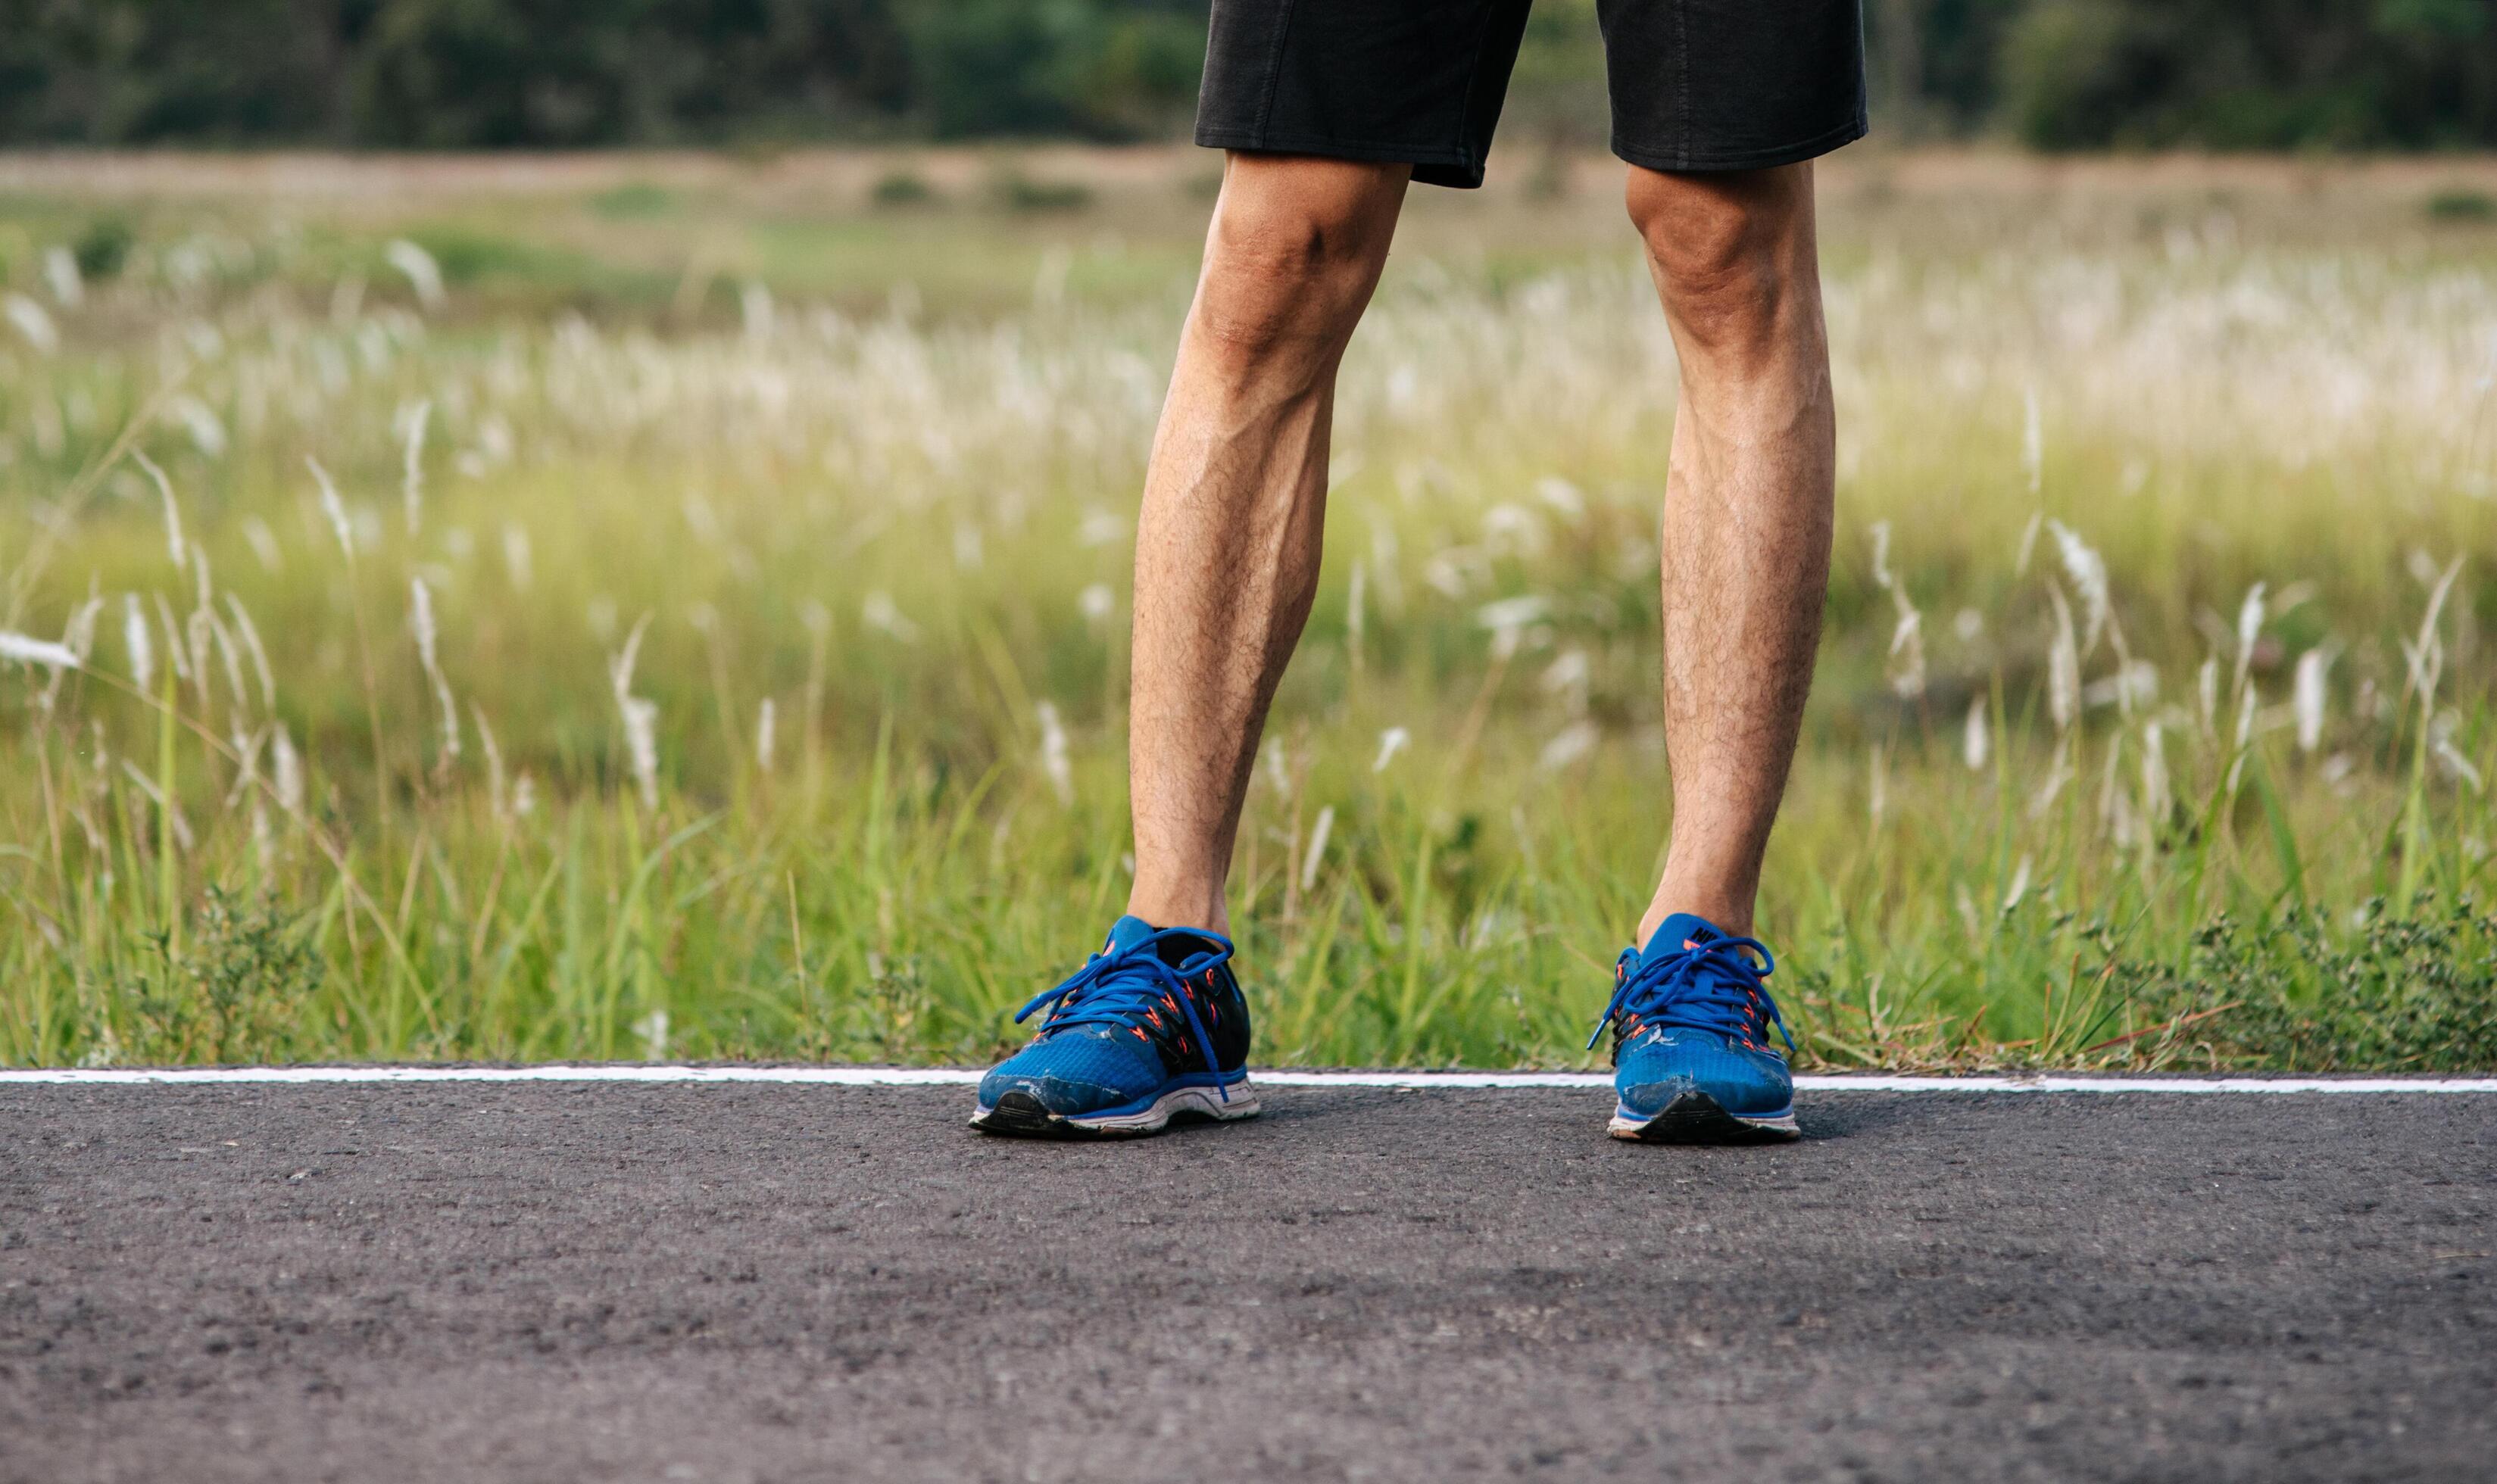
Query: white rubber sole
<point x="1011" y="1116"/>
<point x="1694" y="1118"/>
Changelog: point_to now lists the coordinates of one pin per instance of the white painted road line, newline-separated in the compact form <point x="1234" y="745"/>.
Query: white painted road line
<point x="922" y="1077"/>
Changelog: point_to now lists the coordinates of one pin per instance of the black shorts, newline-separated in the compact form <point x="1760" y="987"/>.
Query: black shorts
<point x="1696" y="84"/>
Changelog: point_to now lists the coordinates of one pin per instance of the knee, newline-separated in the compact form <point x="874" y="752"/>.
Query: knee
<point x="1728" y="251"/>
<point x="1295" y="248"/>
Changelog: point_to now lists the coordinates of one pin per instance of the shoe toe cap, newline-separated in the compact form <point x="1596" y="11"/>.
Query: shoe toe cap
<point x="1064" y="1096"/>
<point x="1739" y="1081"/>
<point x="1069" y="1077"/>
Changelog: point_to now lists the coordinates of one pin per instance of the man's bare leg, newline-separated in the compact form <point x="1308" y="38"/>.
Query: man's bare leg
<point x="1227" y="546"/>
<point x="1747" y="515"/>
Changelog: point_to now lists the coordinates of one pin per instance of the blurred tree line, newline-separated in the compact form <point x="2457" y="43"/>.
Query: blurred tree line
<point x="2057" y="73"/>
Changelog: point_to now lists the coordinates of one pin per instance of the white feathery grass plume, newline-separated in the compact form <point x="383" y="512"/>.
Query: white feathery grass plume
<point x="2156" y="800"/>
<point x="2249" y="703"/>
<point x="2088" y="571"/>
<point x="1507" y="618"/>
<point x="1098" y="602"/>
<point x="412" y="471"/>
<point x="1277" y="772"/>
<point x="1562" y="496"/>
<point x="175" y="649"/>
<point x="2250" y="623"/>
<point x="1566" y="677"/>
<point x="263" y="542"/>
<point x="525" y="794"/>
<point x="37" y="652"/>
<point x="1100" y="527"/>
<point x="419" y="613"/>
<point x="2032" y="442"/>
<point x="754" y="307"/>
<point x="2306" y="699"/>
<point x="2063" y="665"/>
<point x="2059" y="772"/>
<point x="497" y="797"/>
<point x="2456" y="766"/>
<point x="1907" y="634"/>
<point x="653" y="1028"/>
<point x="183" y="836"/>
<point x="207" y="433"/>
<point x="515" y="556"/>
<point x="61" y="275"/>
<point x="334" y="507"/>
<point x="2028" y="543"/>
<point x="175" y="547"/>
<point x="78" y="636"/>
<point x="420" y="619"/>
<point x="422" y="273"/>
<point x="766" y="717"/>
<point x="2424" y="659"/>
<point x="1906" y="649"/>
<point x="1876" y="798"/>
<point x="228" y="651"/>
<point x="1318" y="833"/>
<point x="879" y="612"/>
<point x="32" y="322"/>
<point x="640" y="718"/>
<point x="250" y="634"/>
<point x="1390" y="742"/>
<point x="2115" y="807"/>
<point x="1054" y="761"/>
<point x="246" y="766"/>
<point x="1974" y="743"/>
<point x="2206" y="695"/>
<point x="200" y="626"/>
<point x="1570" y="743"/>
<point x="2450" y="759"/>
<point x="248" y="786"/>
<point x="2019" y="885"/>
<point x="135" y="640"/>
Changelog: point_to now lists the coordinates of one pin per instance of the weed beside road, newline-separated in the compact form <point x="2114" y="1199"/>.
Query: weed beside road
<point x="519" y="647"/>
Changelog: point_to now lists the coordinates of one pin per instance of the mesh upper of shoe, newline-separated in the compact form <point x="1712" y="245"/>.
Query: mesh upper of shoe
<point x="1077" y="1071"/>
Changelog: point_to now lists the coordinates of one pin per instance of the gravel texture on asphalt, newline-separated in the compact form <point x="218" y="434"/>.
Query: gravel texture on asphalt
<point x="739" y="1282"/>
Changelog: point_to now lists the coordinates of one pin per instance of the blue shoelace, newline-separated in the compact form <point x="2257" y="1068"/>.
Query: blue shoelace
<point x="1713" y="987"/>
<point x="1126" y="986"/>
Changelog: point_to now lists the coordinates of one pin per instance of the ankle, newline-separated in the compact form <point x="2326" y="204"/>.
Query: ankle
<point x="1728" y="913"/>
<point x="1179" y="907"/>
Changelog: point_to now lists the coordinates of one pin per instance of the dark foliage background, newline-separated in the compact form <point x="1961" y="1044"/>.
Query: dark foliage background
<point x="2056" y="74"/>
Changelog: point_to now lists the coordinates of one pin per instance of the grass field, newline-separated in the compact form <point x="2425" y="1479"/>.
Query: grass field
<point x="666" y="605"/>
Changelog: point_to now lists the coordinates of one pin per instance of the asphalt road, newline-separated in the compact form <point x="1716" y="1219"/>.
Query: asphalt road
<point x="618" y="1282"/>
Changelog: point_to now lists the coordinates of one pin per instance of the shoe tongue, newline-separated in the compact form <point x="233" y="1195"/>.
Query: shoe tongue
<point x="1681" y="930"/>
<point x="1129" y="932"/>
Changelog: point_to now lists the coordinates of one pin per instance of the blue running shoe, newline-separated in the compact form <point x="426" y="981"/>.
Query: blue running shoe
<point x="1690" y="1027"/>
<point x="1152" y="1028"/>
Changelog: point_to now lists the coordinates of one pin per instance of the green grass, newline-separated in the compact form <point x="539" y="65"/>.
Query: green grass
<point x="876" y="469"/>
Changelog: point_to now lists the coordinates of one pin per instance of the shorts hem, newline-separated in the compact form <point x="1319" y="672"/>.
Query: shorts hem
<point x="1457" y="168"/>
<point x="1744" y="159"/>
